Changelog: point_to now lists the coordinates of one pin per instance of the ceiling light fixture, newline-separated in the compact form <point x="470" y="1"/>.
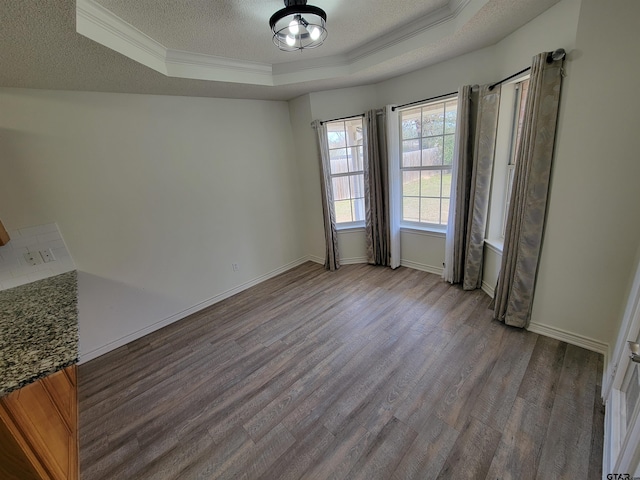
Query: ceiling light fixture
<point x="298" y="26"/>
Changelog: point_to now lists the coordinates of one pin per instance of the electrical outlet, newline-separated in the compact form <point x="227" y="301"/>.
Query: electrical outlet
<point x="235" y="267"/>
<point x="33" y="258"/>
<point x="47" y="255"/>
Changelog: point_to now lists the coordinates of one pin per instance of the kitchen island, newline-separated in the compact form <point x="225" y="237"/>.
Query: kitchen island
<point x="38" y="388"/>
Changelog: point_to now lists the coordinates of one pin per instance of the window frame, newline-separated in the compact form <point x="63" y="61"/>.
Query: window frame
<point x="439" y="228"/>
<point x="513" y="137"/>
<point x="357" y="224"/>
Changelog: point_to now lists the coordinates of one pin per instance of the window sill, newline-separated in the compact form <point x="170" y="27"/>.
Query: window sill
<point x="495" y="244"/>
<point x="350" y="227"/>
<point x="428" y="231"/>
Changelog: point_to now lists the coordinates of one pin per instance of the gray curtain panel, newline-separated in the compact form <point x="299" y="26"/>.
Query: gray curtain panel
<point x="473" y="166"/>
<point x="332" y="257"/>
<point x="526" y="217"/>
<point x="376" y="192"/>
<point x="461" y="185"/>
<point x="483" y="153"/>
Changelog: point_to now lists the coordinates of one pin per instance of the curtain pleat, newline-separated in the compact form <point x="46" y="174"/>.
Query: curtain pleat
<point x="474" y="149"/>
<point x="526" y="217"/>
<point x="460" y="187"/>
<point x="332" y="257"/>
<point x="483" y="154"/>
<point x="375" y="192"/>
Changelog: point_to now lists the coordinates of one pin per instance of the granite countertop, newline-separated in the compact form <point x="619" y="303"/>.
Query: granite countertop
<point x="38" y="330"/>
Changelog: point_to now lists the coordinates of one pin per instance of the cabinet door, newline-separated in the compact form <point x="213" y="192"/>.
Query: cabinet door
<point x="45" y="414"/>
<point x="61" y="386"/>
<point x="16" y="460"/>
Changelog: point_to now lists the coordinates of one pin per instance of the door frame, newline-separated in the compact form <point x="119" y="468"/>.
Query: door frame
<point x="621" y="453"/>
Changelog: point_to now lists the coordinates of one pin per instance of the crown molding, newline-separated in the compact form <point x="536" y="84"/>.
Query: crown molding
<point x="199" y="66"/>
<point x="411" y="30"/>
<point x="101" y="25"/>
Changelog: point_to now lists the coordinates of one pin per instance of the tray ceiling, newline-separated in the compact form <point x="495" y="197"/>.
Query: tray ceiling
<point x="223" y="48"/>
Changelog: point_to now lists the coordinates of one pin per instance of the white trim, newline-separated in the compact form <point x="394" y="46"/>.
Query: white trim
<point x="569" y="337"/>
<point x="622" y="453"/>
<point x="350" y="227"/>
<point x="393" y="165"/>
<point x="316" y="259"/>
<point x="423" y="231"/>
<point x="488" y="289"/>
<point x="494" y="246"/>
<point x="629" y="330"/>
<point x="101" y="25"/>
<point x="90" y="355"/>
<point x="353" y="260"/>
<point x="630" y="448"/>
<point x="421" y="266"/>
<point x="612" y="427"/>
<point x="409" y="31"/>
<point x="198" y="66"/>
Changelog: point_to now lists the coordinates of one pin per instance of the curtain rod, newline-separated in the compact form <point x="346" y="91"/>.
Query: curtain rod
<point x="422" y="101"/>
<point x="491" y="87"/>
<point x="341" y="118"/>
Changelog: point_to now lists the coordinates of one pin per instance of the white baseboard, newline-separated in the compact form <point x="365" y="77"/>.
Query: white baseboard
<point x="572" y="338"/>
<point x="421" y="266"/>
<point x="343" y="261"/>
<point x="558" y="334"/>
<point x="488" y="289"/>
<point x="353" y="260"/>
<point x="90" y="355"/>
<point x="316" y="259"/>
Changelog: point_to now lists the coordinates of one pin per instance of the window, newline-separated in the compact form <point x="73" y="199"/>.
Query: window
<point x="522" y="88"/>
<point x="426" y="156"/>
<point x="347" y="176"/>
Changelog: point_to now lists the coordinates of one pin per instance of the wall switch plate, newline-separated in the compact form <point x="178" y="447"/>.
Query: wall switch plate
<point x="33" y="258"/>
<point x="47" y="255"/>
<point x="235" y="267"/>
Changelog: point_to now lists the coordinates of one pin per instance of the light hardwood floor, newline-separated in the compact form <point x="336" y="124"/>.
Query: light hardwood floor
<point x="361" y="373"/>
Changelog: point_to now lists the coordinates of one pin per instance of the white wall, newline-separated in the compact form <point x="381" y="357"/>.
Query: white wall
<point x="155" y="197"/>
<point x="306" y="157"/>
<point x="343" y="102"/>
<point x="554" y="28"/>
<point x="593" y="227"/>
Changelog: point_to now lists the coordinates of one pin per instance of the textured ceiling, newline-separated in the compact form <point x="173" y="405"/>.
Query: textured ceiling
<point x="239" y="28"/>
<point x="39" y="46"/>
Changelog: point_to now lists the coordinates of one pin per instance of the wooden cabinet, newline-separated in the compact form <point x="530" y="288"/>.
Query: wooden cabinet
<point x="39" y="429"/>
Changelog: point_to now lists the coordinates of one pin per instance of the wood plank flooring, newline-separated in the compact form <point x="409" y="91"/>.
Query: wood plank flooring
<point x="363" y="373"/>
